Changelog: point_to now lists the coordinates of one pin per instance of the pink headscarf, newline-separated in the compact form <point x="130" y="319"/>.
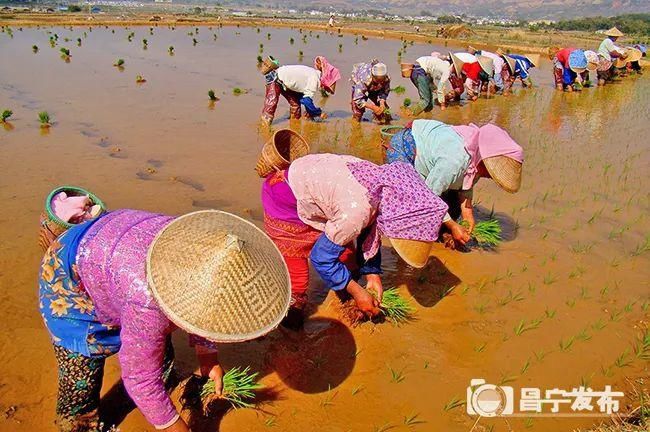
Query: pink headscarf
<point x="485" y="142"/>
<point x="329" y="74"/>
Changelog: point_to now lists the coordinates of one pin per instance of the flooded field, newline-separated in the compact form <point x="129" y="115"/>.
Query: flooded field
<point x="561" y="303"/>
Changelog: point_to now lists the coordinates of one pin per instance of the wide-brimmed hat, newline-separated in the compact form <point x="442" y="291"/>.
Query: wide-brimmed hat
<point x="592" y="60"/>
<point x="269" y="64"/>
<point x="510" y="62"/>
<point x="633" y="54"/>
<point x="505" y="171"/>
<point x="218" y="276"/>
<point x="487" y="64"/>
<point x="458" y="63"/>
<point x="533" y="58"/>
<point x="379" y="70"/>
<point x="414" y="252"/>
<point x="406" y="68"/>
<point x="578" y="61"/>
<point x="614" y="32"/>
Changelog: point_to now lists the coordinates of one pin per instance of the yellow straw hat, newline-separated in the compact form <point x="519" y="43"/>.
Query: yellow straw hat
<point x="633" y="55"/>
<point x="505" y="171"/>
<point x="533" y="58"/>
<point x="414" y="252"/>
<point x="487" y="64"/>
<point x="458" y="63"/>
<point x="218" y="276"/>
<point x="510" y="62"/>
<point x="614" y="32"/>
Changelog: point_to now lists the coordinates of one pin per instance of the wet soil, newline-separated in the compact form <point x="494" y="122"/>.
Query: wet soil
<point x="575" y="257"/>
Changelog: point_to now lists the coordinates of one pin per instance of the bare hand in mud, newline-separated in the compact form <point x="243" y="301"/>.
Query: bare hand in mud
<point x="363" y="299"/>
<point x="323" y="116"/>
<point x="374" y="285"/>
<point x="459" y="233"/>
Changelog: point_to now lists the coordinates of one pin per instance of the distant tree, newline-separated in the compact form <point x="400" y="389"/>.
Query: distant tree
<point x="74" y="8"/>
<point x="448" y="19"/>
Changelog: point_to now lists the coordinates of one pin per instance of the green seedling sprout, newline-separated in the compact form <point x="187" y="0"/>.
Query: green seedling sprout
<point x="259" y="59"/>
<point x="407" y="102"/>
<point x="396" y="376"/>
<point x="395" y="307"/>
<point x="170" y="50"/>
<point x="487" y="232"/>
<point x="238" y="91"/>
<point x="399" y="89"/>
<point x="119" y="63"/>
<point x="194" y="41"/>
<point x="140" y="79"/>
<point x="212" y="96"/>
<point x="5" y="115"/>
<point x="239" y="387"/>
<point x="455" y="402"/>
<point x="34" y="49"/>
<point x="291" y="41"/>
<point x="44" y="119"/>
<point x="65" y="52"/>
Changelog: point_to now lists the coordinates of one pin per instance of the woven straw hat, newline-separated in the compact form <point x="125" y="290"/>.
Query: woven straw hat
<point x="592" y="60"/>
<point x="633" y="55"/>
<point x="458" y="63"/>
<point x="505" y="171"/>
<point x="487" y="64"/>
<point x="533" y="58"/>
<point x="614" y="32"/>
<point x="510" y="62"/>
<point x="414" y="252"/>
<point x="218" y="276"/>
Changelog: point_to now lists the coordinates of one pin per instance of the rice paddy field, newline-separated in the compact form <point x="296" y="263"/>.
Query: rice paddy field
<point x="562" y="301"/>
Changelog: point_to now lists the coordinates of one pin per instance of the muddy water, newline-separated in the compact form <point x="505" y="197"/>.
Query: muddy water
<point x="574" y="255"/>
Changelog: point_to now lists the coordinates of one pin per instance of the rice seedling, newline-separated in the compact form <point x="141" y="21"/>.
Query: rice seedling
<point x="623" y="360"/>
<point x="44" y="119"/>
<point x="642" y="347"/>
<point x="407" y="102"/>
<point x="570" y="302"/>
<point x="300" y="54"/>
<point x="238" y="91"/>
<point x="539" y="355"/>
<point x="328" y="400"/>
<point x="549" y="313"/>
<point x="454" y="402"/>
<point x="507" y="379"/>
<point x="642" y="247"/>
<point x="528" y="422"/>
<point x="565" y="345"/>
<point x="34" y="49"/>
<point x="629" y="306"/>
<point x="268" y="36"/>
<point x="340" y="47"/>
<point x="194" y="42"/>
<point x="170" y="50"/>
<point x="523" y="327"/>
<point x="65" y="52"/>
<point x="145" y="43"/>
<point x="212" y="96"/>
<point x="139" y="79"/>
<point x="5" y="115"/>
<point x="396" y="376"/>
<point x="480" y="348"/>
<point x="583" y="335"/>
<point x="615" y="315"/>
<point x="549" y="279"/>
<point x="291" y="41"/>
<point x="599" y="325"/>
<point x="259" y="59"/>
<point x="395" y="307"/>
<point x="119" y="63"/>
<point x="481" y="308"/>
<point x="270" y="421"/>
<point x="645" y="305"/>
<point x="261" y="48"/>
<point x="487" y="232"/>
<point x="399" y="89"/>
<point x="78" y="41"/>
<point x="239" y="387"/>
<point x="384" y="428"/>
<point x="532" y="288"/>
<point x="607" y="371"/>
<point x="413" y="420"/>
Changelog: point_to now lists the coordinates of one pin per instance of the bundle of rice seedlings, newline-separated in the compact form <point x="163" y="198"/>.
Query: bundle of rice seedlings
<point x="399" y="89"/>
<point x="238" y="91"/>
<point x="5" y="115"/>
<point x="44" y="119"/>
<point x="34" y="48"/>
<point x="65" y="52"/>
<point x="170" y="50"/>
<point x="487" y="232"/>
<point x="119" y="63"/>
<point x="212" y="96"/>
<point x="239" y="387"/>
<point x="395" y="307"/>
<point x="140" y="79"/>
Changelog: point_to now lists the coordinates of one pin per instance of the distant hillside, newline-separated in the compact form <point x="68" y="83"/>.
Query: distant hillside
<point x="527" y="9"/>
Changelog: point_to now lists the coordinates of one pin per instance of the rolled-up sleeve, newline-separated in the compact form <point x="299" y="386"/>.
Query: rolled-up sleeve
<point x="144" y="333"/>
<point x="325" y="258"/>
